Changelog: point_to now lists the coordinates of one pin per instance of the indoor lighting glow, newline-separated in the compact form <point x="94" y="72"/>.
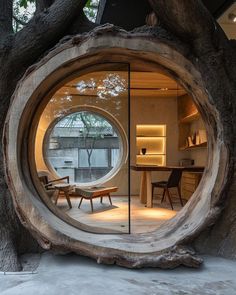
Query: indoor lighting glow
<point x="151" y="130"/>
<point x="151" y="160"/>
<point x="153" y="145"/>
<point x="152" y="138"/>
<point x="232" y="17"/>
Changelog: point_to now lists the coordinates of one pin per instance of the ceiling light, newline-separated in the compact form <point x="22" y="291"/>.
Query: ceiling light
<point x="232" y="17"/>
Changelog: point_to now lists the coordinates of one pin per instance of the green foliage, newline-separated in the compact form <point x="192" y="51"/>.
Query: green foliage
<point x="91" y="9"/>
<point x="25" y="3"/>
<point x="24" y="9"/>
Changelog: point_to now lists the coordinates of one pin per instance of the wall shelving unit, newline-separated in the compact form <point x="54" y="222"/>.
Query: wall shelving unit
<point x="188" y="115"/>
<point x="153" y="139"/>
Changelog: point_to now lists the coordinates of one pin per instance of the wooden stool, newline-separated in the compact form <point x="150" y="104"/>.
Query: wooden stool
<point x="63" y="189"/>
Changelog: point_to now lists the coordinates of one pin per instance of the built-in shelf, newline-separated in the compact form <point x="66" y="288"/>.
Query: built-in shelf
<point x="148" y="130"/>
<point x="153" y="139"/>
<point x="195" y="146"/>
<point x="150" y="160"/>
<point x="190" y="118"/>
<point x="192" y="133"/>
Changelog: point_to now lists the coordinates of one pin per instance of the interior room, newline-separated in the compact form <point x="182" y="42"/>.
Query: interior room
<point x="120" y="149"/>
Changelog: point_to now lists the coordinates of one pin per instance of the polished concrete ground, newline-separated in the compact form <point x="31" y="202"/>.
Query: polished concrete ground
<point x="115" y="217"/>
<point x="70" y="274"/>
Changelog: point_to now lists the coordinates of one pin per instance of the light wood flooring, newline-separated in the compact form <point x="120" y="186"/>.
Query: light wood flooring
<point x="115" y="217"/>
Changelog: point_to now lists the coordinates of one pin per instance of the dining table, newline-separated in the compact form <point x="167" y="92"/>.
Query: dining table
<point x="145" y="193"/>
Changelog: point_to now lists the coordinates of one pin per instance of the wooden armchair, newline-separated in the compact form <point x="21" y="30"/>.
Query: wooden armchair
<point x="49" y="184"/>
<point x="51" y="187"/>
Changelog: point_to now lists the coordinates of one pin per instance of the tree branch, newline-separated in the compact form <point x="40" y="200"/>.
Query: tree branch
<point x="21" y="22"/>
<point x="81" y="24"/>
<point x="44" y="30"/>
<point x="41" y="5"/>
<point x="190" y="21"/>
<point x="6" y="12"/>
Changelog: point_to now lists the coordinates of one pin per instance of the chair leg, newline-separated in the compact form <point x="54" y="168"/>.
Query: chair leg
<point x="91" y="203"/>
<point x="153" y="191"/>
<point x="101" y="199"/>
<point x="169" y="198"/>
<point x="163" y="195"/>
<point x="80" y="202"/>
<point x="110" y="199"/>
<point x="180" y="197"/>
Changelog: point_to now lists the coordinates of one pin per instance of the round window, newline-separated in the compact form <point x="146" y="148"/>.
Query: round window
<point x="86" y="146"/>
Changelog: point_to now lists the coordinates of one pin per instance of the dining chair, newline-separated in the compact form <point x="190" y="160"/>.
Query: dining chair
<point x="172" y="182"/>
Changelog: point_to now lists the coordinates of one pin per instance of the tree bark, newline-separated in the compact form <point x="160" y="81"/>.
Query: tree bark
<point x="190" y="21"/>
<point x="6" y="14"/>
<point x="17" y="53"/>
<point x="42" y="5"/>
<point x="215" y="57"/>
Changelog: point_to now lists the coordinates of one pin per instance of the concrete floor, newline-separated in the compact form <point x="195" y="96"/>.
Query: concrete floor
<point x="70" y="274"/>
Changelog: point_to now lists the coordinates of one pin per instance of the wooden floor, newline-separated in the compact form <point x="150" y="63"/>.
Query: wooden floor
<point x="115" y="217"/>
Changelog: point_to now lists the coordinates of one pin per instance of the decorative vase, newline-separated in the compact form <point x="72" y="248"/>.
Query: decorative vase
<point x="143" y="150"/>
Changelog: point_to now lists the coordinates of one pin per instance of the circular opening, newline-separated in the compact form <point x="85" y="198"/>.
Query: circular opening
<point x="35" y="86"/>
<point x="86" y="146"/>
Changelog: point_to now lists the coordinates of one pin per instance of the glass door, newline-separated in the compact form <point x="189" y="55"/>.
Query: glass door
<point x="85" y="137"/>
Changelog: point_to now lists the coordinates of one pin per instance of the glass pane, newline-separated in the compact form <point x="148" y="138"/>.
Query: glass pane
<point x="83" y="142"/>
<point x="83" y="134"/>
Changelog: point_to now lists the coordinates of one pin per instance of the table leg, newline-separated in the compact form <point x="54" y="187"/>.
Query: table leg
<point x="91" y="204"/>
<point x="80" y="202"/>
<point x="68" y="199"/>
<point x="57" y="197"/>
<point x="143" y="188"/>
<point x="110" y="199"/>
<point x="149" y="189"/>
